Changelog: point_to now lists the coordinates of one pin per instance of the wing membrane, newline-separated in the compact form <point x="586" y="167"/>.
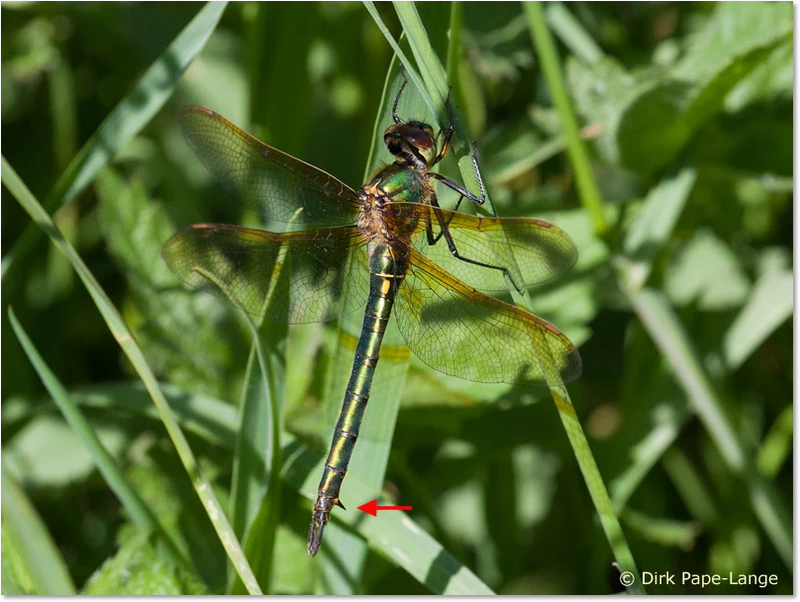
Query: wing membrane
<point x="541" y="250"/>
<point x="263" y="178"/>
<point x="460" y="331"/>
<point x="298" y="277"/>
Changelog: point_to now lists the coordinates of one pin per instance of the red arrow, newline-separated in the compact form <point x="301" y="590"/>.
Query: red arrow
<point x="372" y="507"/>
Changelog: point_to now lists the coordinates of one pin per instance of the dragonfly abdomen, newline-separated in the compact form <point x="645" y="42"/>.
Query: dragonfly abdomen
<point x="386" y="275"/>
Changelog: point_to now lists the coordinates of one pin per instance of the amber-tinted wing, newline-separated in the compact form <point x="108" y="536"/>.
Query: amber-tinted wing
<point x="460" y="331"/>
<point x="541" y="250"/>
<point x="263" y="178"/>
<point x="297" y="277"/>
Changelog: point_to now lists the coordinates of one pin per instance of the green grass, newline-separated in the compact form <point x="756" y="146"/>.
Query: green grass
<point x="158" y="441"/>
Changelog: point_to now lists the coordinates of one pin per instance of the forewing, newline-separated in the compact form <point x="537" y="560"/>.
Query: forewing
<point x="460" y="331"/>
<point x="263" y="178"/>
<point x="541" y="250"/>
<point x="296" y="277"/>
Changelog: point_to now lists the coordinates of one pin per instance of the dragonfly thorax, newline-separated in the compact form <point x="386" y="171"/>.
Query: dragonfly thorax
<point x="412" y="143"/>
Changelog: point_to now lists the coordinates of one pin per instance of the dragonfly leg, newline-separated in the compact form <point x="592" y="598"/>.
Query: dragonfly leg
<point x="451" y="244"/>
<point x="399" y="94"/>
<point x="480" y="200"/>
<point x="433" y="239"/>
<point x="459" y="189"/>
<point x="451" y="128"/>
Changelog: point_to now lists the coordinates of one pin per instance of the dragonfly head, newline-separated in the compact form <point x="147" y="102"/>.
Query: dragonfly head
<point x="413" y="141"/>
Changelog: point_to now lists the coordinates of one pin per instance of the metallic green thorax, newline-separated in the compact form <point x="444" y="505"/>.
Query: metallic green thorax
<point x="386" y="274"/>
<point x="400" y="184"/>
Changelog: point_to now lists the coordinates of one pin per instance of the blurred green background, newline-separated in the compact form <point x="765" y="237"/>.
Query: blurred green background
<point x="682" y="307"/>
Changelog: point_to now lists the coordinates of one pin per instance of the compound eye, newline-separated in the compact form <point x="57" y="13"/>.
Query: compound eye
<point x="420" y="139"/>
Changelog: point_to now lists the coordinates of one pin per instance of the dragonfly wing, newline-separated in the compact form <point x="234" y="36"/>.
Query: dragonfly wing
<point x="295" y="277"/>
<point x="541" y="250"/>
<point x="460" y="331"/>
<point x="263" y="178"/>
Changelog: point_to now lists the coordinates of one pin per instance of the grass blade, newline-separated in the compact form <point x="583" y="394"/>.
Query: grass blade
<point x="572" y="34"/>
<point x="138" y="512"/>
<point x="777" y="444"/>
<point x="431" y="70"/>
<point x="424" y="54"/>
<point x="410" y="71"/>
<point x="372" y="453"/>
<point x="592" y="202"/>
<point x="393" y="534"/>
<point x="370" y="457"/>
<point x="126" y="120"/>
<point x="32" y="544"/>
<point x="548" y="61"/>
<point x="125" y="339"/>
<point x="434" y="79"/>
<point x="669" y="335"/>
<point x="255" y="491"/>
<point x="690" y="487"/>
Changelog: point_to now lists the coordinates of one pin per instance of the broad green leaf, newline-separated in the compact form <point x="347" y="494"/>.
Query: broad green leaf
<point x="140" y="568"/>
<point x="649" y="115"/>
<point x="655" y="222"/>
<point x="186" y="336"/>
<point x="600" y="92"/>
<point x="706" y="273"/>
<point x="733" y="30"/>
<point x="292" y="572"/>
<point x="772" y="79"/>
<point x="770" y="304"/>
<point x="48" y="436"/>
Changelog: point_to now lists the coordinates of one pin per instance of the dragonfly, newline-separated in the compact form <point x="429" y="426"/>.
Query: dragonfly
<point x="386" y="249"/>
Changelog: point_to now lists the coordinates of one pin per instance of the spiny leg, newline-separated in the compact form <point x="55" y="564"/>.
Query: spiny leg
<point x="460" y="189"/>
<point x="463" y="192"/>
<point x="473" y="156"/>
